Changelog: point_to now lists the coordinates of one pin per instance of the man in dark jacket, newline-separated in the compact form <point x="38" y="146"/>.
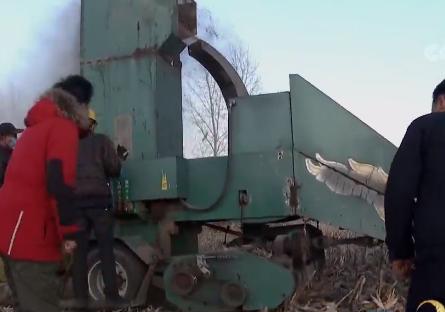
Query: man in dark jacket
<point x="98" y="162"/>
<point x="415" y="206"/>
<point x="8" y="139"/>
<point x="37" y="216"/>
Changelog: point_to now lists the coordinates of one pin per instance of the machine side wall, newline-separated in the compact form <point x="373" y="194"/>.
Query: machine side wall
<point x="351" y="195"/>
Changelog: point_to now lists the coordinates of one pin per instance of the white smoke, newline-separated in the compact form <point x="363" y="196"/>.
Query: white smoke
<point x="40" y="45"/>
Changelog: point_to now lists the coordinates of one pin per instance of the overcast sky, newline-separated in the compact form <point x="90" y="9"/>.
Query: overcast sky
<point x="40" y="44"/>
<point x="379" y="59"/>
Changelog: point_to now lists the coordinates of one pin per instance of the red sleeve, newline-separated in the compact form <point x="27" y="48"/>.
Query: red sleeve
<point x="63" y="143"/>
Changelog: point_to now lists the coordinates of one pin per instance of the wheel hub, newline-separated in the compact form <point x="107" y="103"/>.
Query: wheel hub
<point x="97" y="285"/>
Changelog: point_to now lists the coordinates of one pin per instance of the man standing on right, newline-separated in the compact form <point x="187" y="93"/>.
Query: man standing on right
<point x="415" y="206"/>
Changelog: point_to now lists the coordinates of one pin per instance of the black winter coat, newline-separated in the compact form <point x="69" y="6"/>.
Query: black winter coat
<point x="5" y="155"/>
<point x="98" y="162"/>
<point x="415" y="193"/>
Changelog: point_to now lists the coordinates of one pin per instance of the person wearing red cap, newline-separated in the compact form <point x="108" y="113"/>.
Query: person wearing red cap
<point x="38" y="219"/>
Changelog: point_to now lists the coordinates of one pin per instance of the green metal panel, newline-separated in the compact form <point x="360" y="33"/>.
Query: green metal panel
<point x="168" y="101"/>
<point x="322" y="126"/>
<point x="137" y="88"/>
<point x="263" y="175"/>
<point x="124" y="103"/>
<point x="261" y="164"/>
<point x="318" y="202"/>
<point x="267" y="284"/>
<point x="146" y="177"/>
<point x="138" y="228"/>
<point x="262" y="123"/>
<point x="119" y="27"/>
<point x="147" y="122"/>
<point x="206" y="178"/>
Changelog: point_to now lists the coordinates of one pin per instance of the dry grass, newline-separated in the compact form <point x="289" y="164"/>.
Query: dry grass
<point x="354" y="279"/>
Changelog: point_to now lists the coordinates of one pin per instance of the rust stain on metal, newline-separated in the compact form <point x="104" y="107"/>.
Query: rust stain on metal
<point x="123" y="131"/>
<point x="137" y="53"/>
<point x="167" y="228"/>
<point x="187" y="26"/>
<point x="291" y="195"/>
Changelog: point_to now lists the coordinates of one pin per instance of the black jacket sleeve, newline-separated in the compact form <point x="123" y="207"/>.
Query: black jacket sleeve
<point x="63" y="193"/>
<point x="3" y="165"/>
<point x="401" y="191"/>
<point x="110" y="159"/>
<point x="4" y="160"/>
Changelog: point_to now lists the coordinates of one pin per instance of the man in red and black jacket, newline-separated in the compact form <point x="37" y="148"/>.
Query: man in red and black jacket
<point x="37" y="218"/>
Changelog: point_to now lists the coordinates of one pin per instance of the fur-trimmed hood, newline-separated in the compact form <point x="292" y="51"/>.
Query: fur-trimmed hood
<point x="57" y="103"/>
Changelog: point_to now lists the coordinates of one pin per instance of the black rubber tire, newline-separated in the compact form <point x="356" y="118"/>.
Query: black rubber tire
<point x="125" y="260"/>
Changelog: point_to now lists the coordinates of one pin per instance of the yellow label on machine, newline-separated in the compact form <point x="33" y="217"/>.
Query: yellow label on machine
<point x="164" y="182"/>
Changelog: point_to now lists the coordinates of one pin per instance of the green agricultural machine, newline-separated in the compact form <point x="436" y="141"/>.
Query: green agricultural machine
<point x="294" y="159"/>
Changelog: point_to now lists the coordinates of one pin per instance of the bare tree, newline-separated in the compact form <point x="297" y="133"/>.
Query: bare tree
<point x="206" y="108"/>
<point x="204" y="104"/>
<point x="239" y="57"/>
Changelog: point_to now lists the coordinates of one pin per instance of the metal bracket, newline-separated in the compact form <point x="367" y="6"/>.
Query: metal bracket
<point x="203" y="266"/>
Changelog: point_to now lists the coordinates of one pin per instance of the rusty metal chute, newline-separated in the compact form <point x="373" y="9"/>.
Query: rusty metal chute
<point x="218" y="66"/>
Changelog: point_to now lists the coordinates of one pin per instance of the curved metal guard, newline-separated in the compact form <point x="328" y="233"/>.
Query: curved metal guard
<point x="218" y="66"/>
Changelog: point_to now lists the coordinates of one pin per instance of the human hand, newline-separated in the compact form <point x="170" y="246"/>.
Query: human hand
<point x="402" y="268"/>
<point x="69" y="246"/>
<point x="122" y="152"/>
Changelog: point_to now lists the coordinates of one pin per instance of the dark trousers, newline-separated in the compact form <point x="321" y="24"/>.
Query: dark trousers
<point x="36" y="285"/>
<point x="101" y="222"/>
<point x="427" y="283"/>
<point x="12" y="300"/>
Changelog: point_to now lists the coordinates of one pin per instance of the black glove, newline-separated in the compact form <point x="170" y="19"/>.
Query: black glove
<point x="122" y="152"/>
